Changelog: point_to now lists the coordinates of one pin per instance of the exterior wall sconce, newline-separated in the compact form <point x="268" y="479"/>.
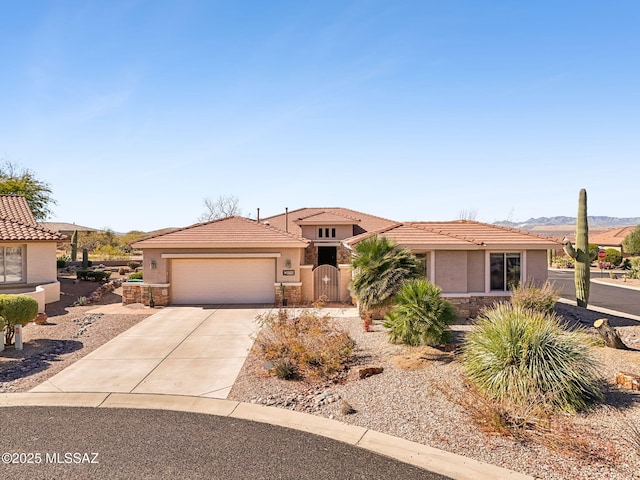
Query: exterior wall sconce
<point x="154" y="265"/>
<point x="287" y="263"/>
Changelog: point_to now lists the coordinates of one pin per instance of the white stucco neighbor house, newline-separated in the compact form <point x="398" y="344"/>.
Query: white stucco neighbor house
<point x="27" y="253"/>
<point x="306" y="254"/>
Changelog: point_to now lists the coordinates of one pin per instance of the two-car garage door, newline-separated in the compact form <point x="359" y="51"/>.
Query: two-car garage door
<point x="222" y="280"/>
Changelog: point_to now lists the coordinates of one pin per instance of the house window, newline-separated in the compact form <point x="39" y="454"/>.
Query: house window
<point x="319" y="233"/>
<point x="333" y="233"/>
<point x="505" y="270"/>
<point x="423" y="265"/>
<point x="10" y="264"/>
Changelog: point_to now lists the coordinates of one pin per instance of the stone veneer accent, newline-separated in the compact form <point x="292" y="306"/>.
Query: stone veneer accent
<point x="311" y="255"/>
<point x="293" y="294"/>
<point x="469" y="307"/>
<point x="139" y="293"/>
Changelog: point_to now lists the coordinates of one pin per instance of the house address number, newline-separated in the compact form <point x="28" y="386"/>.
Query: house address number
<point x="288" y="273"/>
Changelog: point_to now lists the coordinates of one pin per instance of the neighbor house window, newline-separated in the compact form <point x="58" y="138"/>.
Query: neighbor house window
<point x="319" y="233"/>
<point x="10" y="264"/>
<point x="505" y="270"/>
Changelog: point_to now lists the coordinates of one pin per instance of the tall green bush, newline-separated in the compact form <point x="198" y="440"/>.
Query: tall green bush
<point x="631" y="243"/>
<point x="519" y="357"/>
<point x="634" y="267"/>
<point x="16" y="309"/>
<point x="420" y="315"/>
<point x="613" y="256"/>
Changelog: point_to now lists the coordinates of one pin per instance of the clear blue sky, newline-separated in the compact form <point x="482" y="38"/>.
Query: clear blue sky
<point x="136" y="111"/>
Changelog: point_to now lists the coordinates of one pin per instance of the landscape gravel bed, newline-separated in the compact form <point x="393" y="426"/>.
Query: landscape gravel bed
<point x="421" y="396"/>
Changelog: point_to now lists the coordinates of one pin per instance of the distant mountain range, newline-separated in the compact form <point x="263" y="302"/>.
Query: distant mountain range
<point x="597" y="222"/>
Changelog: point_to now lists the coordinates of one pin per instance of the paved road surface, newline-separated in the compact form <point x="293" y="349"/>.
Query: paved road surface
<point x="156" y="444"/>
<point x="604" y="296"/>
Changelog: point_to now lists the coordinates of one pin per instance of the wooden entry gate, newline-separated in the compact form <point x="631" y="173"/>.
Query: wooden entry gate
<point x="326" y="283"/>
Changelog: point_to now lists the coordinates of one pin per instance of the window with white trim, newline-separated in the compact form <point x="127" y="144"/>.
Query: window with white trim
<point x="11" y="269"/>
<point x="505" y="270"/>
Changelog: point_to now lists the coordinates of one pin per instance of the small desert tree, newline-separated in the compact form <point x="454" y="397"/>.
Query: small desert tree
<point x="631" y="243"/>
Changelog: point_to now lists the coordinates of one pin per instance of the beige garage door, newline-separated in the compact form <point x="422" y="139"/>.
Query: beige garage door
<point x="236" y="280"/>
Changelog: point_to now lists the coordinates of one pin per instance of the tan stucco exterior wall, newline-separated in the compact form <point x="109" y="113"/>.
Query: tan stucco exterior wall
<point x="451" y="271"/>
<point x="537" y="269"/>
<point x="475" y="271"/>
<point x="41" y="269"/>
<point x="342" y="232"/>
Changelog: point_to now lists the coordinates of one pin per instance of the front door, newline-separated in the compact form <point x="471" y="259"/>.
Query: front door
<point x="328" y="256"/>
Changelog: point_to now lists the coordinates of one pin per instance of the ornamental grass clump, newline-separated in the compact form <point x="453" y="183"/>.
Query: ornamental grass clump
<point x="420" y="315"/>
<point x="303" y="344"/>
<point x="520" y="357"/>
<point x="540" y="298"/>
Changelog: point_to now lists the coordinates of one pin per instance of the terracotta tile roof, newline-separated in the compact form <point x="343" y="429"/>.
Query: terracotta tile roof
<point x="613" y="237"/>
<point x="15" y="207"/>
<point x="364" y="222"/>
<point x="460" y="234"/>
<point x="228" y="232"/>
<point x="17" y="223"/>
<point x="328" y="218"/>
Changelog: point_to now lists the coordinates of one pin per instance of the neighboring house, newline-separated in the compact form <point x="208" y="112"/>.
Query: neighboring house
<point x="611" y="238"/>
<point x="66" y="229"/>
<point x="27" y="253"/>
<point x="307" y="253"/>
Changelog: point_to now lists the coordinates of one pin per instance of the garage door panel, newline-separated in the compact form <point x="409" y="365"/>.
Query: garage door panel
<point x="209" y="281"/>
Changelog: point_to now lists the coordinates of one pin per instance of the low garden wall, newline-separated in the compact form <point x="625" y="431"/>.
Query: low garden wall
<point x="470" y="306"/>
<point x="140" y="292"/>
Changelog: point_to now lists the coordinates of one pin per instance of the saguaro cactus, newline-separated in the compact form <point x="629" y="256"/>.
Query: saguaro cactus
<point x="580" y="253"/>
<point x="74" y="246"/>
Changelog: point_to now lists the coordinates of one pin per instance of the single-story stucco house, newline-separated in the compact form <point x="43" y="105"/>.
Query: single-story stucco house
<point x="306" y="254"/>
<point x="27" y="253"/>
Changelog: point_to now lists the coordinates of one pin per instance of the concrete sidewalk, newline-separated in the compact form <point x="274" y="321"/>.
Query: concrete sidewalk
<point x="177" y="351"/>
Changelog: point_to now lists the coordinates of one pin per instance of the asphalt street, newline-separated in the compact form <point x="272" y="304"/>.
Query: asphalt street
<point x="82" y="443"/>
<point x="604" y="296"/>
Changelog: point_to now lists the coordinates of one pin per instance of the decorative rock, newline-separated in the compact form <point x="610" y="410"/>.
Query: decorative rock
<point x="41" y="318"/>
<point x="368" y="371"/>
<point x="628" y="380"/>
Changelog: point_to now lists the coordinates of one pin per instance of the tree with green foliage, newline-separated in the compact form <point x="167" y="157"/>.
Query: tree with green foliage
<point x="380" y="267"/>
<point x="22" y="181"/>
<point x="631" y="243"/>
<point x="580" y="253"/>
<point x="420" y="316"/>
<point x="16" y="309"/>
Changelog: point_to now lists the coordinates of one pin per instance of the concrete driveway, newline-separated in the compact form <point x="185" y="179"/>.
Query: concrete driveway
<point x="195" y="351"/>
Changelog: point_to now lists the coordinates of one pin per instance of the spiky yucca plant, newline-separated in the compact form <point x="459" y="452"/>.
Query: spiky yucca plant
<point x="420" y="315"/>
<point x="380" y="269"/>
<point x="519" y="356"/>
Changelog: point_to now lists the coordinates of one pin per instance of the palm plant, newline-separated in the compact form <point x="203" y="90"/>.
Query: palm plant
<point x="520" y="356"/>
<point x="380" y="269"/>
<point x="420" y="315"/>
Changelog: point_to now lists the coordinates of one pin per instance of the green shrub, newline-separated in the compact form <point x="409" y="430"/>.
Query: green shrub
<point x="613" y="256"/>
<point x="523" y="357"/>
<point x="62" y="260"/>
<point x="133" y="265"/>
<point x="16" y="309"/>
<point x="420" y="316"/>
<point x="308" y="344"/>
<point x="135" y="276"/>
<point x="563" y="261"/>
<point x="634" y="270"/>
<point x="540" y="298"/>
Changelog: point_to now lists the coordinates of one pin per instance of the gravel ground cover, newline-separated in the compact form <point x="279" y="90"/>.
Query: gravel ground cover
<point x="70" y="333"/>
<point x="421" y="396"/>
